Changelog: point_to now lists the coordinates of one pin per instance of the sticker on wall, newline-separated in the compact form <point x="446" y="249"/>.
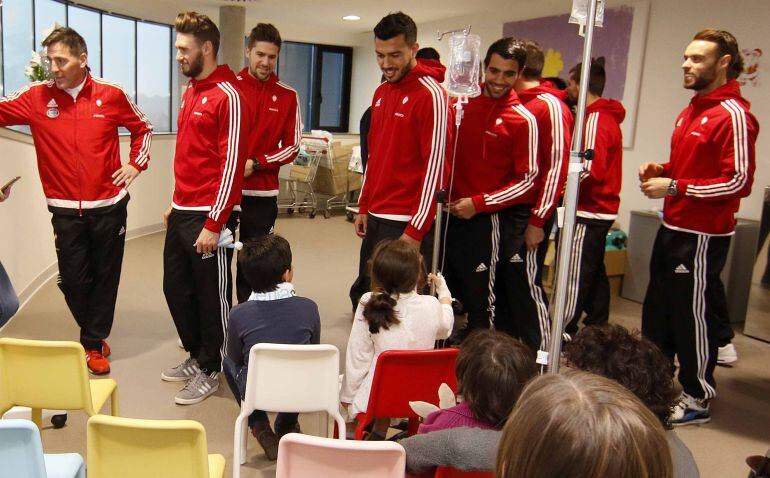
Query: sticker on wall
<point x="750" y="75"/>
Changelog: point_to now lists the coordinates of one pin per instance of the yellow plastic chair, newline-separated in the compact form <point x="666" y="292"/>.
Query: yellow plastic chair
<point x="129" y="447"/>
<point x="43" y="374"/>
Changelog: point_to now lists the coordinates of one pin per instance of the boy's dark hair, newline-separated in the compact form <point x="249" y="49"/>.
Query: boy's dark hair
<point x="557" y="82"/>
<point x="597" y="77"/>
<point x="508" y="48"/>
<point x="395" y="24"/>
<point x="726" y="45"/>
<point x="264" y="261"/>
<point x="395" y="269"/>
<point x="628" y="358"/>
<point x="428" y="53"/>
<point x="69" y="37"/>
<point x="265" y="32"/>
<point x="200" y="26"/>
<point x="491" y="370"/>
<point x="533" y="69"/>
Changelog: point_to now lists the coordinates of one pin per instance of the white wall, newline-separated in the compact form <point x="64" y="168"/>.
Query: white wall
<point x="27" y="248"/>
<point x="672" y="25"/>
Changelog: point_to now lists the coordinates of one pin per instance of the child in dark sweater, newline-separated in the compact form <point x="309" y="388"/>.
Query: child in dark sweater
<point x="273" y="314"/>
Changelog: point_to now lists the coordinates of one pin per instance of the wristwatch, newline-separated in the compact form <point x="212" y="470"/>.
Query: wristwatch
<point x="672" y="188"/>
<point x="256" y="166"/>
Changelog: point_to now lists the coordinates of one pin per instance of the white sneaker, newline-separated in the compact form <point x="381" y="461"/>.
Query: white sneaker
<point x="690" y="411"/>
<point x="727" y="355"/>
<point x="198" y="388"/>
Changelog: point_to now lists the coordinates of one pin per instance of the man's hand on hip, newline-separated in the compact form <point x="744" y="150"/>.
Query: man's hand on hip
<point x="125" y="175"/>
<point x="207" y="241"/>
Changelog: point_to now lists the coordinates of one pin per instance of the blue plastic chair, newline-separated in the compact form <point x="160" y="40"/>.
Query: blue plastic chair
<point x="21" y="454"/>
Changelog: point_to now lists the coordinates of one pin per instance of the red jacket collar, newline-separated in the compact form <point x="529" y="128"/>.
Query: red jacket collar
<point x="545" y="87"/>
<point x="222" y="73"/>
<point x="611" y="107"/>
<point x="423" y="68"/>
<point x="512" y="99"/>
<point x="728" y="91"/>
<point x="244" y="75"/>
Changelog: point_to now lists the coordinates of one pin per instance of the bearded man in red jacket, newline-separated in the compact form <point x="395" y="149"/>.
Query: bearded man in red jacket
<point x="710" y="169"/>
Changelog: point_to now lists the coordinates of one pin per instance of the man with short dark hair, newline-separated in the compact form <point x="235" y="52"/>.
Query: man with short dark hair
<point x="495" y="175"/>
<point x="211" y="148"/>
<point x="273" y="314"/>
<point x="598" y="202"/>
<point x="74" y="119"/>
<point x="711" y="168"/>
<point x="408" y="146"/>
<point x="523" y="306"/>
<point x="276" y="129"/>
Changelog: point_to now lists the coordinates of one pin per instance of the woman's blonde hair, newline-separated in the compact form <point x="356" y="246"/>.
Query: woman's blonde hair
<point x="581" y="425"/>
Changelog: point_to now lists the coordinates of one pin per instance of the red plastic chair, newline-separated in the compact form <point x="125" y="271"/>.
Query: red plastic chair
<point x="445" y="472"/>
<point x="401" y="376"/>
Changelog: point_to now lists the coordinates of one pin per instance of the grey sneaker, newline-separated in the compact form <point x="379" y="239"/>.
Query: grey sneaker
<point x="182" y="372"/>
<point x="198" y="388"/>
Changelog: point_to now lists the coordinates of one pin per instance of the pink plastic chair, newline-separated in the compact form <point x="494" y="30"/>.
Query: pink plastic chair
<point x="401" y="376"/>
<point x="301" y="456"/>
<point x="445" y="472"/>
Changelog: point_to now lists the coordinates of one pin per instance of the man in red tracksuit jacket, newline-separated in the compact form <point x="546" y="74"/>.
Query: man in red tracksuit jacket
<point x="522" y="305"/>
<point x="408" y="146"/>
<point x="74" y="120"/>
<point x="710" y="169"/>
<point x="495" y="167"/>
<point x="211" y="147"/>
<point x="598" y="201"/>
<point x="276" y="132"/>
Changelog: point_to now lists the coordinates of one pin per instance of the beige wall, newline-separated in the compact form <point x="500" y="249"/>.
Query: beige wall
<point x="671" y="26"/>
<point x="26" y="249"/>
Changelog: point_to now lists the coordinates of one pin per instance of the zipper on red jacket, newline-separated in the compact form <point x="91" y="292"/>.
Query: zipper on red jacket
<point x="77" y="157"/>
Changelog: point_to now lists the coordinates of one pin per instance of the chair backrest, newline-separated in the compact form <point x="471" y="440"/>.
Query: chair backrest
<point x="21" y="452"/>
<point x="300" y="456"/>
<point x="446" y="472"/>
<point x="44" y="374"/>
<point x="127" y="447"/>
<point x="401" y="376"/>
<point x="293" y="378"/>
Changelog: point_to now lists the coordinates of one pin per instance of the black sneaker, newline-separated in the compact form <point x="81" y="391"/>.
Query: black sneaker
<point x="280" y="432"/>
<point x="266" y="439"/>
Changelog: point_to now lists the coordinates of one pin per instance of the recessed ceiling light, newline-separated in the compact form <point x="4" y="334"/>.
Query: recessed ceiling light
<point x="351" y="18"/>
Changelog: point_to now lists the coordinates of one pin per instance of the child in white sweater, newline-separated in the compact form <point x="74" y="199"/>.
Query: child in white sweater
<point x="392" y="317"/>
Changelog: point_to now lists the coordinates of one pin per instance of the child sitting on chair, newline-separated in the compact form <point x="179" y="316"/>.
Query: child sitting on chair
<point x="273" y="314"/>
<point x="392" y="317"/>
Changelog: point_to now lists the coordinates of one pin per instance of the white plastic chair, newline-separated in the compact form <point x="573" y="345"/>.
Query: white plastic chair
<point x="289" y="378"/>
<point x="300" y="456"/>
<point x="21" y="454"/>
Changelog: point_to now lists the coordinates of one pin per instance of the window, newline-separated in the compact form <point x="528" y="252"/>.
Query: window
<point x="138" y="55"/>
<point x="47" y="13"/>
<point x="18" y="41"/>
<point x="321" y="76"/>
<point x="153" y="75"/>
<point x="89" y="24"/>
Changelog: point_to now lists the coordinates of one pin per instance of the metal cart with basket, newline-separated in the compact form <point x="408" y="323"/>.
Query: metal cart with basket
<point x="299" y="176"/>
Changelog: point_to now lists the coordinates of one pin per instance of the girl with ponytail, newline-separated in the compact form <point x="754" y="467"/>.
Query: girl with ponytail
<point x="392" y="317"/>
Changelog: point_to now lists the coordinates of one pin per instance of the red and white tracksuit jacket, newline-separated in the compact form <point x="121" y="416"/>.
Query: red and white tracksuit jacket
<point x="712" y="159"/>
<point x="409" y="143"/>
<point x="496" y="159"/>
<point x="211" y="147"/>
<point x="554" y="121"/>
<point x="276" y="130"/>
<point x="76" y="141"/>
<point x="603" y="175"/>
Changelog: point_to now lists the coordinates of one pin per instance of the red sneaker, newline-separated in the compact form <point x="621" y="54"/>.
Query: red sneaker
<point x="97" y="364"/>
<point x="105" y="349"/>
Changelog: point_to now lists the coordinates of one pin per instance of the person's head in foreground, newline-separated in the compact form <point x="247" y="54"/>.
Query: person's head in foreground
<point x="264" y="46"/>
<point x="626" y="357"/>
<point x="503" y="63"/>
<point x="396" y="268"/>
<point x="491" y="370"/>
<point x="581" y="425"/>
<point x="197" y="44"/>
<point x="266" y="262"/>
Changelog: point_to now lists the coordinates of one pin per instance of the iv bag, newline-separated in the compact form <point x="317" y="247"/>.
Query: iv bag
<point x="464" y="65"/>
<point x="580" y="9"/>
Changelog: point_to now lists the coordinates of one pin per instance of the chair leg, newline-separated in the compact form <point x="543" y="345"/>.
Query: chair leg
<point x="114" y="408"/>
<point x="239" y="445"/>
<point x="37" y="417"/>
<point x="329" y="425"/>
<point x="341" y="429"/>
